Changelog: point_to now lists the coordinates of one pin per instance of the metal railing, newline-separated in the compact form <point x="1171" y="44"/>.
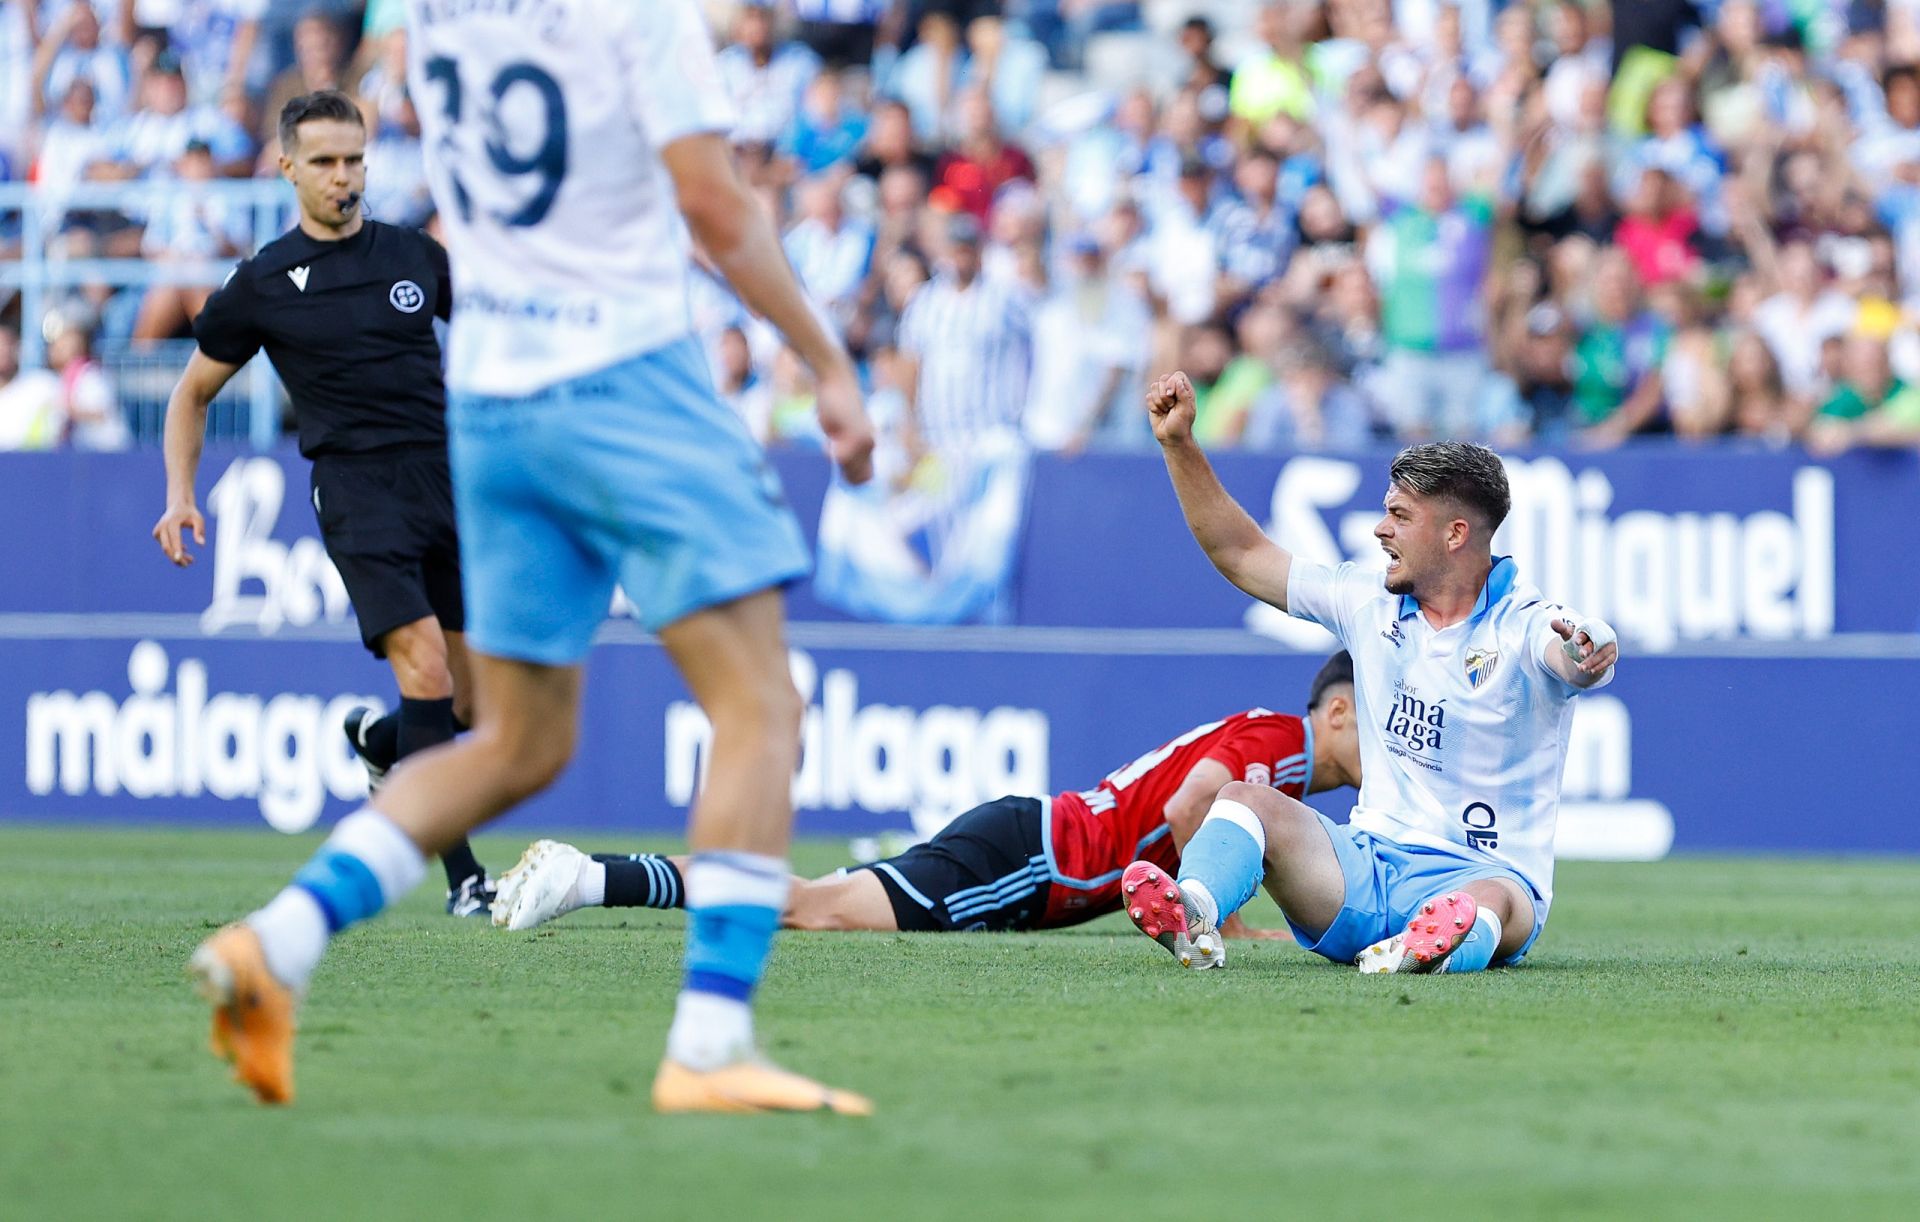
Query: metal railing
<point x="43" y="273"/>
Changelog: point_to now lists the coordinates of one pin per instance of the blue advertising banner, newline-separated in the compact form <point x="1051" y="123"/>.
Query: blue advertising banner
<point x="1671" y="544"/>
<point x="1771" y="633"/>
<point x="1692" y="753"/>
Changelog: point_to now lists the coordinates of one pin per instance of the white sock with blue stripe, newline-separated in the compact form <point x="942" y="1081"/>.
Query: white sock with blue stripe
<point x="1227" y="857"/>
<point x="365" y="865"/>
<point x="734" y="902"/>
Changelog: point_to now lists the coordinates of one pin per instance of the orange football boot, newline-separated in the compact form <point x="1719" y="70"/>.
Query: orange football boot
<point x="253" y="1013"/>
<point x="749" y="1086"/>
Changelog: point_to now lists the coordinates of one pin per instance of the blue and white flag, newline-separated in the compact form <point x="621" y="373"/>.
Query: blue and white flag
<point x="939" y="550"/>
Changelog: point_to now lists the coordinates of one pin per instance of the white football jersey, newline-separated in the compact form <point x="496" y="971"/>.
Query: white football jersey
<point x="1463" y="730"/>
<point x="542" y="122"/>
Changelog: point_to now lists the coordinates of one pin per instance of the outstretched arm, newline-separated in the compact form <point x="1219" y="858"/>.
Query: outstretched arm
<point x="186" y="431"/>
<point x="1232" y="540"/>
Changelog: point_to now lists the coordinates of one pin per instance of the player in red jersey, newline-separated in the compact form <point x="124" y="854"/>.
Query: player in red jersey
<point x="1013" y="863"/>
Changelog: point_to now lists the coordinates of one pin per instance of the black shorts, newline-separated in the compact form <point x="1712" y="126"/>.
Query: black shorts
<point x="987" y="870"/>
<point x="387" y="521"/>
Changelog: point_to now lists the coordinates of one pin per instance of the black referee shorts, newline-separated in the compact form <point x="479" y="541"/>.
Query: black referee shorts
<point x="387" y="521"/>
<point x="987" y="870"/>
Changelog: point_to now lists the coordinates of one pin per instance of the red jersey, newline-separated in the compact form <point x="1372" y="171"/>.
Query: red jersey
<point x="1095" y="834"/>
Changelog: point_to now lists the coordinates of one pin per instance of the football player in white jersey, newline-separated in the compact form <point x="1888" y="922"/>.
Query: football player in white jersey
<point x="577" y="150"/>
<point x="1463" y="684"/>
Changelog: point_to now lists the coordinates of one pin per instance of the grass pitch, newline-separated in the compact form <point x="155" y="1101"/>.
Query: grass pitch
<point x="1699" y="1038"/>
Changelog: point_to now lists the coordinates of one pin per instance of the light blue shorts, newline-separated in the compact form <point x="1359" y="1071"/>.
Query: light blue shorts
<point x="1387" y="882"/>
<point x="635" y="474"/>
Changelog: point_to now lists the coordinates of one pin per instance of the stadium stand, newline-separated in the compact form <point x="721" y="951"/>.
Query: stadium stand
<point x="1352" y="220"/>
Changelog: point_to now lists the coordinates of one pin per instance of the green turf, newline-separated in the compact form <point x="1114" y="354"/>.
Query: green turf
<point x="1699" y="1038"/>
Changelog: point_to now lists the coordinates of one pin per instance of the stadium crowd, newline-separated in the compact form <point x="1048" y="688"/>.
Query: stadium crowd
<point x="1350" y="220"/>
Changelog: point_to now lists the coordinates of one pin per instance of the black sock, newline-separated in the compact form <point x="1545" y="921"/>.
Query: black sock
<point x="424" y="724"/>
<point x="641" y="880"/>
<point x="381" y="742"/>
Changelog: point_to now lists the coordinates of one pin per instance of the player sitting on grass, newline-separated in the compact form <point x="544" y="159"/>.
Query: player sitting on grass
<point x="1014" y="863"/>
<point x="1463" y="685"/>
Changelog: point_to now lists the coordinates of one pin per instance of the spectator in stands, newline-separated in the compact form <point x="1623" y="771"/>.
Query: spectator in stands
<point x="1869" y="406"/>
<point x="319" y="60"/>
<point x="193" y="225"/>
<point x="1183" y="253"/>
<point x="1542" y="373"/>
<point x="1091" y="336"/>
<point x="1694" y="383"/>
<point x="1264" y="332"/>
<point x="1866" y="380"/>
<point x="829" y="251"/>
<point x="1278" y="80"/>
<point x="89" y="407"/>
<point x="1432" y="258"/>
<point x="980" y="162"/>
<point x="891" y="143"/>
<point x="893" y="284"/>
<point x="827" y="130"/>
<point x="147" y="142"/>
<point x="73" y="49"/>
<point x="1008" y="67"/>
<point x="70" y="141"/>
<point x="1617" y="361"/>
<point x="1310" y="407"/>
<point x="1202" y="70"/>
<point x="397" y="189"/>
<point x="29" y="400"/>
<point x="1580" y="64"/>
<point x="383" y="82"/>
<point x="968" y="348"/>
<point x="764" y="77"/>
<point x="1889" y="148"/>
<point x="740" y="387"/>
<point x="1676" y="143"/>
<point x="928" y="75"/>
<point x="1659" y="230"/>
<point x="1800" y="317"/>
<point x="215" y="40"/>
<point x="1252" y="230"/>
<point x="844" y="33"/>
<point x="1759" y="403"/>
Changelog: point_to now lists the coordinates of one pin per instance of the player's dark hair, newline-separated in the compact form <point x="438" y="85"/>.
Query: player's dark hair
<point x="1469" y="475"/>
<point x="323" y="104"/>
<point x="1336" y="671"/>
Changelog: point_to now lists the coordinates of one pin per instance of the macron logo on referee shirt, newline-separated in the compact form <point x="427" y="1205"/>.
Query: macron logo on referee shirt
<point x="299" y="277"/>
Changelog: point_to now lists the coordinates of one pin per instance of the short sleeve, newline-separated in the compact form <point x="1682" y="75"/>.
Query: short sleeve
<point x="225" y="329"/>
<point x="443" y="272"/>
<point x="673" y="79"/>
<point x="1328" y="594"/>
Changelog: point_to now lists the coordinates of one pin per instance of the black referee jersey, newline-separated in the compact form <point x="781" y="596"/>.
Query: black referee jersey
<point x="349" y="327"/>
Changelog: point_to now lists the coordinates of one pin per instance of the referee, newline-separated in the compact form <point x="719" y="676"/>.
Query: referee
<point x="344" y="307"/>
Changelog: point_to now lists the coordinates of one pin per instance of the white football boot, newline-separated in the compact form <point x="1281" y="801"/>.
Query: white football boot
<point x="543" y="884"/>
<point x="1435" y="932"/>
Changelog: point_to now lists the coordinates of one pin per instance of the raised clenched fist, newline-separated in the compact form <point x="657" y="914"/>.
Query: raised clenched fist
<point x="1170" y="402"/>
